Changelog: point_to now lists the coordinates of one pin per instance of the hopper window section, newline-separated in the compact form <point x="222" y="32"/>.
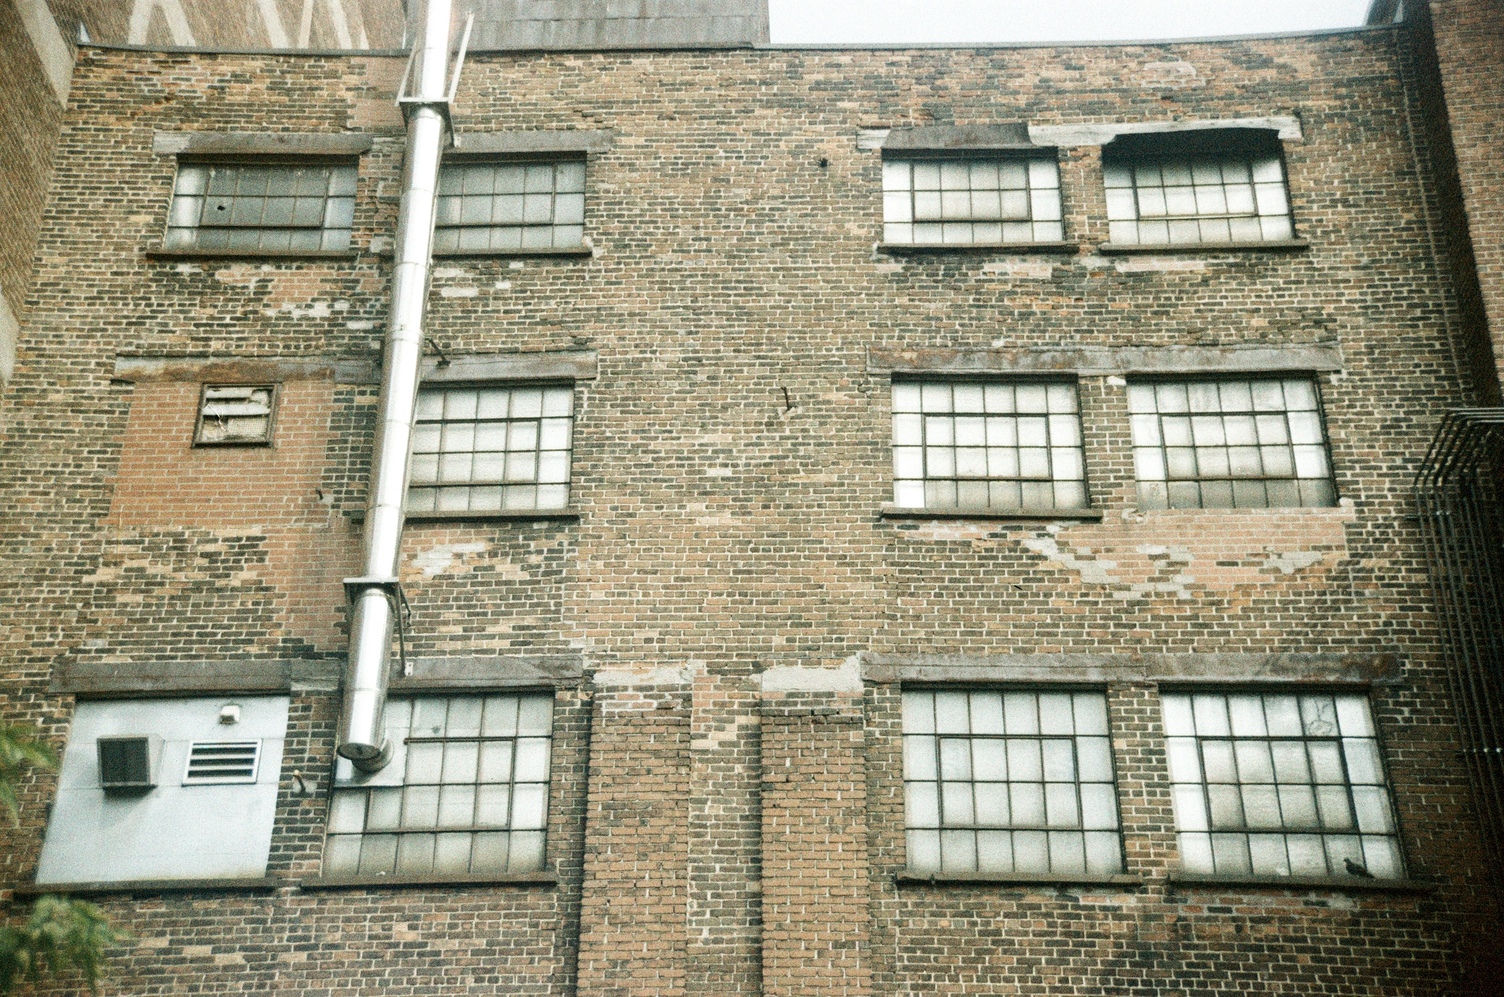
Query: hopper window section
<point x="998" y="446"/>
<point x="1230" y="444"/>
<point x="971" y="201"/>
<point x="491" y="449"/>
<point x="128" y="764"/>
<point x="1011" y="781"/>
<point x="215" y="762"/>
<point x="484" y="207"/>
<point x="1277" y="784"/>
<point x="1196" y="188"/>
<point x="273" y="208"/>
<point x="231" y="414"/>
<point x="473" y="797"/>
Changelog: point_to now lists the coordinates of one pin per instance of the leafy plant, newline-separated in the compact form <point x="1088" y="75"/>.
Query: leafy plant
<point x="62" y="935"/>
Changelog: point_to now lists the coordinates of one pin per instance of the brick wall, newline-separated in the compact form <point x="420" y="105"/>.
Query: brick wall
<point x="738" y="826"/>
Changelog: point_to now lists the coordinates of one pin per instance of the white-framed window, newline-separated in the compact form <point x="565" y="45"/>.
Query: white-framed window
<point x="231" y="414"/>
<point x="997" y="445"/>
<point x="1004" y="781"/>
<point x="1230" y="443"/>
<point x="473" y="797"/>
<point x="971" y="201"/>
<point x="484" y="206"/>
<point x="271" y="207"/>
<point x="1196" y="188"/>
<point x="1280" y="784"/>
<point x="491" y="448"/>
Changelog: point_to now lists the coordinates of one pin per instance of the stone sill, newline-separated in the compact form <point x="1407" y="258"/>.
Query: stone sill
<point x="418" y="882"/>
<point x="251" y="254"/>
<point x="1203" y="247"/>
<point x="510" y="515"/>
<point x="891" y="511"/>
<point x="1340" y="883"/>
<point x="248" y="885"/>
<point x="584" y="252"/>
<point x="910" y="877"/>
<point x="926" y="248"/>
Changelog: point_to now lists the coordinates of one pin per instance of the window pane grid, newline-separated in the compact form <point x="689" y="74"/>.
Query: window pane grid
<point x="1229" y="444"/>
<point x="491" y="449"/>
<point x="1009" y="782"/>
<point x="971" y="201"/>
<point x="1204" y="200"/>
<point x="474" y="797"/>
<point x="274" y="207"/>
<point x="486" y="206"/>
<point x="1279" y="785"/>
<point x="1004" y="446"/>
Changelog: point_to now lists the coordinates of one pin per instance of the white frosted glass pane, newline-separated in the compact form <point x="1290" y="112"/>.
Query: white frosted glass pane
<point x="1371" y="810"/>
<point x="1045" y="205"/>
<point x="994" y="851"/>
<point x="908" y="495"/>
<point x="420" y="806"/>
<point x="1032" y="398"/>
<point x="489" y="852"/>
<point x="1230" y="854"/>
<point x="425" y="762"/>
<point x="528" y="806"/>
<point x="492" y="805"/>
<point x="1266" y="855"/>
<point x="897" y="207"/>
<point x="1326" y="763"/>
<point x="1190" y="808"/>
<point x="952" y="713"/>
<point x="1261" y="809"/>
<point x="535" y="715"/>
<point x="1305" y="855"/>
<point x="1104" y="854"/>
<point x="1340" y="848"/>
<point x="1362" y="756"/>
<point x="1381" y="857"/>
<point x="1149" y="465"/>
<point x="1020" y="713"/>
<point x="500" y="717"/>
<point x="986" y="713"/>
<point x="532" y="759"/>
<point x="1094" y="759"/>
<point x="895" y="176"/>
<point x="451" y="854"/>
<point x="1024" y="761"/>
<point x="955" y="758"/>
<point x="553" y="467"/>
<point x="1090" y="711"/>
<point x="956" y="806"/>
<point x="456" y="806"/>
<point x="958" y="851"/>
<point x="385" y="810"/>
<point x="1353" y="717"/>
<point x="992" y="808"/>
<point x="1060" y="805"/>
<point x="1098" y="807"/>
<point x="342" y="855"/>
<point x="459" y="761"/>
<point x="1211" y="715"/>
<point x="1059" y="760"/>
<point x="919" y="758"/>
<point x="1298" y="806"/>
<point x="1115" y="175"/>
<point x="1031" y="851"/>
<point x="1217" y="759"/>
<point x="908" y="462"/>
<point x="495" y="762"/>
<point x="526" y="852"/>
<point x="1254" y="764"/>
<point x="922" y="804"/>
<point x="347" y="812"/>
<point x="1184" y="759"/>
<point x="923" y="849"/>
<point x="1123" y="232"/>
<point x="378" y="854"/>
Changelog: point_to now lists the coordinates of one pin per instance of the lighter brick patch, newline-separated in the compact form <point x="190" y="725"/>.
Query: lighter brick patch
<point x="437" y="560"/>
<point x="1095" y="572"/>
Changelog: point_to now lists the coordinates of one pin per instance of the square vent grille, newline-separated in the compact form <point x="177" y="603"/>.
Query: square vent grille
<point x="222" y="761"/>
<point x="128" y="763"/>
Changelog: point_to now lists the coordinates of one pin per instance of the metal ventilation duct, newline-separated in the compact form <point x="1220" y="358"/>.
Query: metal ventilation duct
<point x="374" y="595"/>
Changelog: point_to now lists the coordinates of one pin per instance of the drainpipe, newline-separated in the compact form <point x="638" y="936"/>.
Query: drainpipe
<point x="374" y="596"/>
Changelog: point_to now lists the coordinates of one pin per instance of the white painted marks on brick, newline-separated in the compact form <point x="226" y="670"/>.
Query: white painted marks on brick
<point x="1290" y="561"/>
<point x="1020" y="268"/>
<point x="792" y="678"/>
<point x="1091" y="569"/>
<point x="459" y="292"/>
<point x="1157" y="264"/>
<point x="437" y="560"/>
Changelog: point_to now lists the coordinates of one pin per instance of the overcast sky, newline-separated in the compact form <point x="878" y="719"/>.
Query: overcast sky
<point x="885" y="21"/>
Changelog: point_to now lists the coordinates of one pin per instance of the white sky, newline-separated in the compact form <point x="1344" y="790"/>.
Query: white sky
<point x="795" y="22"/>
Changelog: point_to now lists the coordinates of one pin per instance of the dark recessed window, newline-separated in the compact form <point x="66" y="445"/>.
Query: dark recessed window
<point x="235" y="414"/>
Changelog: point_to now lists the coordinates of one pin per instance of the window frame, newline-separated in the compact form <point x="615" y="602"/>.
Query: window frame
<point x="1265" y="690"/>
<point x="253" y="160"/>
<point x="566" y="511"/>
<point x="553" y="158"/>
<point x="1245" y="146"/>
<point x="271" y="416"/>
<point x="396" y="781"/>
<point x="1312" y="378"/>
<point x="920" y="873"/>
<point x="911" y="157"/>
<point x="920" y="379"/>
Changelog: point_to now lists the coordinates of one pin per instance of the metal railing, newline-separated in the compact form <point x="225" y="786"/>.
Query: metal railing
<point x="1460" y="491"/>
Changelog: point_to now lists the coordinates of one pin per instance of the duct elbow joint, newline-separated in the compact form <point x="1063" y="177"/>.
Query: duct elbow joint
<point x="367" y="757"/>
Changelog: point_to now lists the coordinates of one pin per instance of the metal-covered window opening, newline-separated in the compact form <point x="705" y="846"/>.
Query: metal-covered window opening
<point x="501" y="206"/>
<point x="1009" y="781"/>
<point x="974" y="200"/>
<point x="1229" y="444"/>
<point x="1187" y="188"/>
<point x="474" y="793"/>
<point x="1280" y="784"/>
<point x="273" y="207"/>
<point x="231" y="414"/>
<point x="997" y="445"/>
<point x="491" y="448"/>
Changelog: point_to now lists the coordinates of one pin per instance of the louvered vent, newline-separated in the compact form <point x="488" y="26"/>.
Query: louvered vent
<point x="222" y="761"/>
<point x="128" y="764"/>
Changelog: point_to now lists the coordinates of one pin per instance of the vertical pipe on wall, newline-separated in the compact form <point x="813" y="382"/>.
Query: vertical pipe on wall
<point x="373" y="615"/>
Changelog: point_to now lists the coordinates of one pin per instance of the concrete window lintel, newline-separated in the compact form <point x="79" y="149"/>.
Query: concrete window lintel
<point x="1105" y="361"/>
<point x="167" y="143"/>
<point x="1095" y="669"/>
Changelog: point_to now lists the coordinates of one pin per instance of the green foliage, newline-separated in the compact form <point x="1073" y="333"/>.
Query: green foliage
<point x="20" y="747"/>
<point x="62" y="935"/>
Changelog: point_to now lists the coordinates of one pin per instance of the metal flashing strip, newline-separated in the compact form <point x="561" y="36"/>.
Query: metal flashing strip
<point x="167" y="143"/>
<point x="1108" y="360"/>
<point x="1096" y="669"/>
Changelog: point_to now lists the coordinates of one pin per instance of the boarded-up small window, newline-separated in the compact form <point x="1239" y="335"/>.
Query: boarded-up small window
<point x="235" y="414"/>
<point x="222" y="761"/>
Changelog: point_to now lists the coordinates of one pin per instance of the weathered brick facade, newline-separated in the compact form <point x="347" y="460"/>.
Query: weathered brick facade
<point x="727" y="805"/>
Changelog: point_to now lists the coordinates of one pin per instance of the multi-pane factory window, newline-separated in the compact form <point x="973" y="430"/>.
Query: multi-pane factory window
<point x="1009" y="782"/>
<point x="491" y="449"/>
<point x="1199" y="197"/>
<point x="502" y="206"/>
<point x="971" y="201"/>
<point x="235" y="413"/>
<point x="1006" y="446"/>
<point x="1229" y="444"/>
<point x="274" y="208"/>
<point x="1270" y="784"/>
<point x="473" y="798"/>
